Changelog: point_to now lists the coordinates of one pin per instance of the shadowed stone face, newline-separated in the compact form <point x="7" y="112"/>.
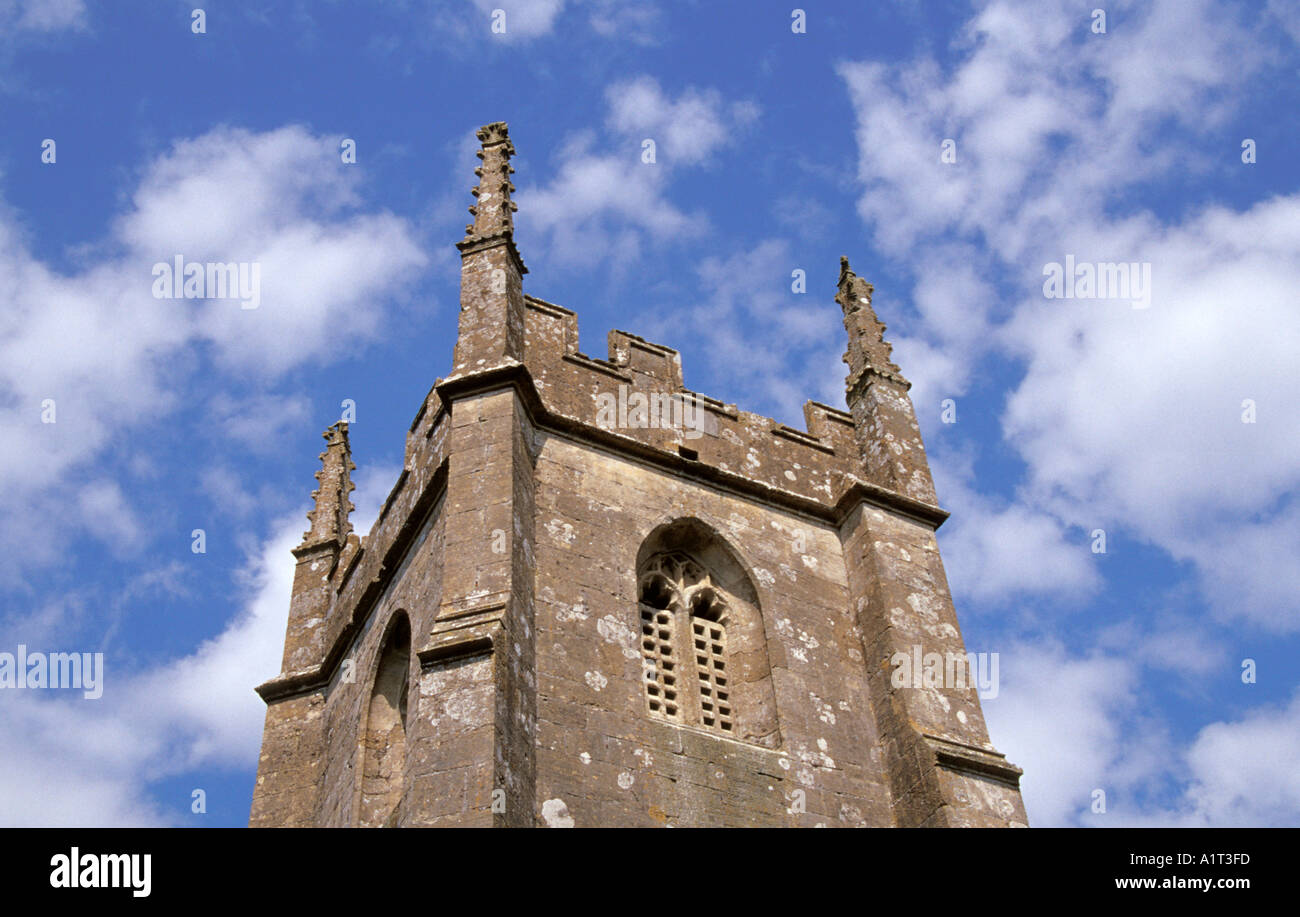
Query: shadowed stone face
<point x="384" y="746"/>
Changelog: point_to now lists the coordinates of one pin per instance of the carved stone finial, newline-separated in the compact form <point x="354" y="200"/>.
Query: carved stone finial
<point x="329" y="516"/>
<point x="496" y="132"/>
<point x="868" y="349"/>
<point x="493" y="208"/>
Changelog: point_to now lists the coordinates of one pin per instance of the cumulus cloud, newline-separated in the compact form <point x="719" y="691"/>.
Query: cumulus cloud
<point x="69" y="761"/>
<point x="1130" y="417"/>
<point x="97" y="353"/>
<point x="528" y="20"/>
<point x="524" y="19"/>
<point x="1243" y="771"/>
<point x="688" y="129"/>
<point x="995" y="549"/>
<point x="1060" y="717"/>
<point x="1135" y="417"/>
<point x="1074" y="722"/>
<point x="601" y="205"/>
<point x="605" y="202"/>
<point x="41" y="15"/>
<point x="279" y="200"/>
<point x="955" y="300"/>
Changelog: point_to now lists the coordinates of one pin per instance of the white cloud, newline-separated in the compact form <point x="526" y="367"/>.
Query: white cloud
<point x="47" y="779"/>
<point x="596" y="198"/>
<point x="956" y="304"/>
<point x="1127" y="418"/>
<point x="68" y="761"/>
<point x="1059" y="718"/>
<point x="1244" y="772"/>
<point x="107" y="515"/>
<point x="524" y="19"/>
<point x="998" y="549"/>
<point x="1133" y="418"/>
<point x="603" y="205"/>
<point x="279" y="199"/>
<point x="1050" y="122"/>
<point x="1075" y="724"/>
<point x="209" y="714"/>
<point x="41" y="15"/>
<point x="687" y="129"/>
<point x="259" y="422"/>
<point x="1234" y="774"/>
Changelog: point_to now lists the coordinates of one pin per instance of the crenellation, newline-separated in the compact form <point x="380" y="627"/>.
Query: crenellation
<point x="650" y="365"/>
<point x="596" y="597"/>
<point x="551" y="331"/>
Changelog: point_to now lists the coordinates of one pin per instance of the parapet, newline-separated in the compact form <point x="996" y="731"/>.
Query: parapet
<point x="636" y="399"/>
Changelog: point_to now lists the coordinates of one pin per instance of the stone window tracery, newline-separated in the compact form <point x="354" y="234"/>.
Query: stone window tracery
<point x="684" y="617"/>
<point x="704" y="654"/>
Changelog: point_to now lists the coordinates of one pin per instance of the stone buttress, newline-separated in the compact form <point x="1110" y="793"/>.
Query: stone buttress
<point x="597" y="597"/>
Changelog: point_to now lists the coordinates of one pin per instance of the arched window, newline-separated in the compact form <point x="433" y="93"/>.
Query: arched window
<point x="702" y="642"/>
<point x="384" y="741"/>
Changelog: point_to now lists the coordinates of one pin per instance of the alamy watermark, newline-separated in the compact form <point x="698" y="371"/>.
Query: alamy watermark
<point x="75" y="869"/>
<point x="657" y="410"/>
<point x="956" y="671"/>
<point x="1129" y="281"/>
<point x="77" y="671"/>
<point x="183" y="279"/>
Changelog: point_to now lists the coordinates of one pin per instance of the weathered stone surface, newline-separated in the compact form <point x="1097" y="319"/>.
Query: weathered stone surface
<point x="627" y="603"/>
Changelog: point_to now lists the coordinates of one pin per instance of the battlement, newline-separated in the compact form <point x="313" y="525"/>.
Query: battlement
<point x="635" y="400"/>
<point x="637" y="395"/>
<point x="591" y="589"/>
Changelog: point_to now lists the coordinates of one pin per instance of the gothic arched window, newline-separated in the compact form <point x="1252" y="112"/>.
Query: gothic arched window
<point x="384" y="742"/>
<point x="702" y="646"/>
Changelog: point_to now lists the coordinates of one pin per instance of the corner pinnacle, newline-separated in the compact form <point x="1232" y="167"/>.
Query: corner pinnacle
<point x="493" y="210"/>
<point x="329" y="516"/>
<point x="868" y="349"/>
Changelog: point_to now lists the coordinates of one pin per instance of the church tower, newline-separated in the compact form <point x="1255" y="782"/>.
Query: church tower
<point x="595" y="597"/>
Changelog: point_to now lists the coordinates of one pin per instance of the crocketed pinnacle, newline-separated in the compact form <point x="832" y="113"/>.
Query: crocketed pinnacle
<point x="493" y="211"/>
<point x="332" y="504"/>
<point x="868" y="350"/>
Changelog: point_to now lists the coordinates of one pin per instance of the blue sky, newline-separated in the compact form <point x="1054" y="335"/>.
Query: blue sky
<point x="776" y="151"/>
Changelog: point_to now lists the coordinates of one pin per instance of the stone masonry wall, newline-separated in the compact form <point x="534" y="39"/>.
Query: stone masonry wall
<point x="549" y="705"/>
<point x="415" y="583"/>
<point x="601" y="758"/>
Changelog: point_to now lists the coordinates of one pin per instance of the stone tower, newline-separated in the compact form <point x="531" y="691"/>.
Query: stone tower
<point x="595" y="597"/>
